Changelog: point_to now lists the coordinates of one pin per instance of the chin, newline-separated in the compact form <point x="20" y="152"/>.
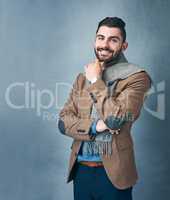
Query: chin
<point x="102" y="58"/>
<point x="105" y="59"/>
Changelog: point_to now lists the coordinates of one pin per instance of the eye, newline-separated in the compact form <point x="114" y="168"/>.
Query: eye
<point x="100" y="38"/>
<point x="114" y="40"/>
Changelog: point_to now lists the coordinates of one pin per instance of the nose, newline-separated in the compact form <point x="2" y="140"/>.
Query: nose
<point x="105" y="44"/>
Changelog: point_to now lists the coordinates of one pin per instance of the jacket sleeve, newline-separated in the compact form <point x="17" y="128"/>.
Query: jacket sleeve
<point x="69" y="122"/>
<point x="125" y="105"/>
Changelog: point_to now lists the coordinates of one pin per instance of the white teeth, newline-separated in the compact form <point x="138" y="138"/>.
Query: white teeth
<point x="104" y="52"/>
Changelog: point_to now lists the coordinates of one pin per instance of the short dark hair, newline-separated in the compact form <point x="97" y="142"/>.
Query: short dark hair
<point x="114" y="22"/>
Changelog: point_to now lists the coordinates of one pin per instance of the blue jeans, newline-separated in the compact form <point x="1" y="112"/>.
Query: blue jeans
<point x="92" y="183"/>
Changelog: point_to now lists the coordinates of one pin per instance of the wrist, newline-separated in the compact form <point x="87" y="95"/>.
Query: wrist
<point x="93" y="80"/>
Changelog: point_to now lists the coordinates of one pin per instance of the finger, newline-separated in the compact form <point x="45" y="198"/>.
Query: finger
<point x="97" y="62"/>
<point x="102" y="63"/>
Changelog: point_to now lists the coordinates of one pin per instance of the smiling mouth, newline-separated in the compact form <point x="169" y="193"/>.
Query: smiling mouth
<point x="103" y="52"/>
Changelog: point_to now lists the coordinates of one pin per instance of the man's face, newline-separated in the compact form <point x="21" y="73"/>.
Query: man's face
<point x="108" y="43"/>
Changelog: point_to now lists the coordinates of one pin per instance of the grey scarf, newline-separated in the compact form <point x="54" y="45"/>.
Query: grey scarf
<point x="111" y="75"/>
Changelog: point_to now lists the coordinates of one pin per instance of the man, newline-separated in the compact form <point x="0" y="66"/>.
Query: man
<point x="104" y="103"/>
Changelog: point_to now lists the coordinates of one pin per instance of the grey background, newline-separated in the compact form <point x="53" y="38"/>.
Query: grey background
<point x="47" y="42"/>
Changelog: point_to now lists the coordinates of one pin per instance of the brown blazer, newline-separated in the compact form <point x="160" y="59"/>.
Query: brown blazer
<point x="128" y="96"/>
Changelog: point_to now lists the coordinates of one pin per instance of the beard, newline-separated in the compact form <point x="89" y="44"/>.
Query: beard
<point x="112" y="58"/>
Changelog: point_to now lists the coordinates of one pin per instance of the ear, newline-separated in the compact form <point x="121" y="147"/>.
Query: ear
<point x="124" y="46"/>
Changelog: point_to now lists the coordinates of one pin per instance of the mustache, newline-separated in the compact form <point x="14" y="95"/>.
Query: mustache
<point x="105" y="49"/>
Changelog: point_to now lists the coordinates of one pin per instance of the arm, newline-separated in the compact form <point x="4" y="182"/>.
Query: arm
<point x="125" y="105"/>
<point x="70" y="123"/>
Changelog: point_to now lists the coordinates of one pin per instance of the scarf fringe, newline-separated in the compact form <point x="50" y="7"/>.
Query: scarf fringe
<point x="97" y="147"/>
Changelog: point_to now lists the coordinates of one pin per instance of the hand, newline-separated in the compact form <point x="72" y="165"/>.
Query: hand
<point x="101" y="126"/>
<point x="93" y="70"/>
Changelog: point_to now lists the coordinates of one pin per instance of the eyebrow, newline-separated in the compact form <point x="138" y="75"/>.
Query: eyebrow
<point x="111" y="37"/>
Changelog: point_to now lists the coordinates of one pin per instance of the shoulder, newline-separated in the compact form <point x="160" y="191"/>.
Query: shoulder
<point x="79" y="81"/>
<point x="139" y="81"/>
<point x="138" y="74"/>
<point x="141" y="75"/>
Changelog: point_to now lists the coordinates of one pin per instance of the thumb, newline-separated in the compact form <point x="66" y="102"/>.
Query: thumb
<point x="98" y="63"/>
